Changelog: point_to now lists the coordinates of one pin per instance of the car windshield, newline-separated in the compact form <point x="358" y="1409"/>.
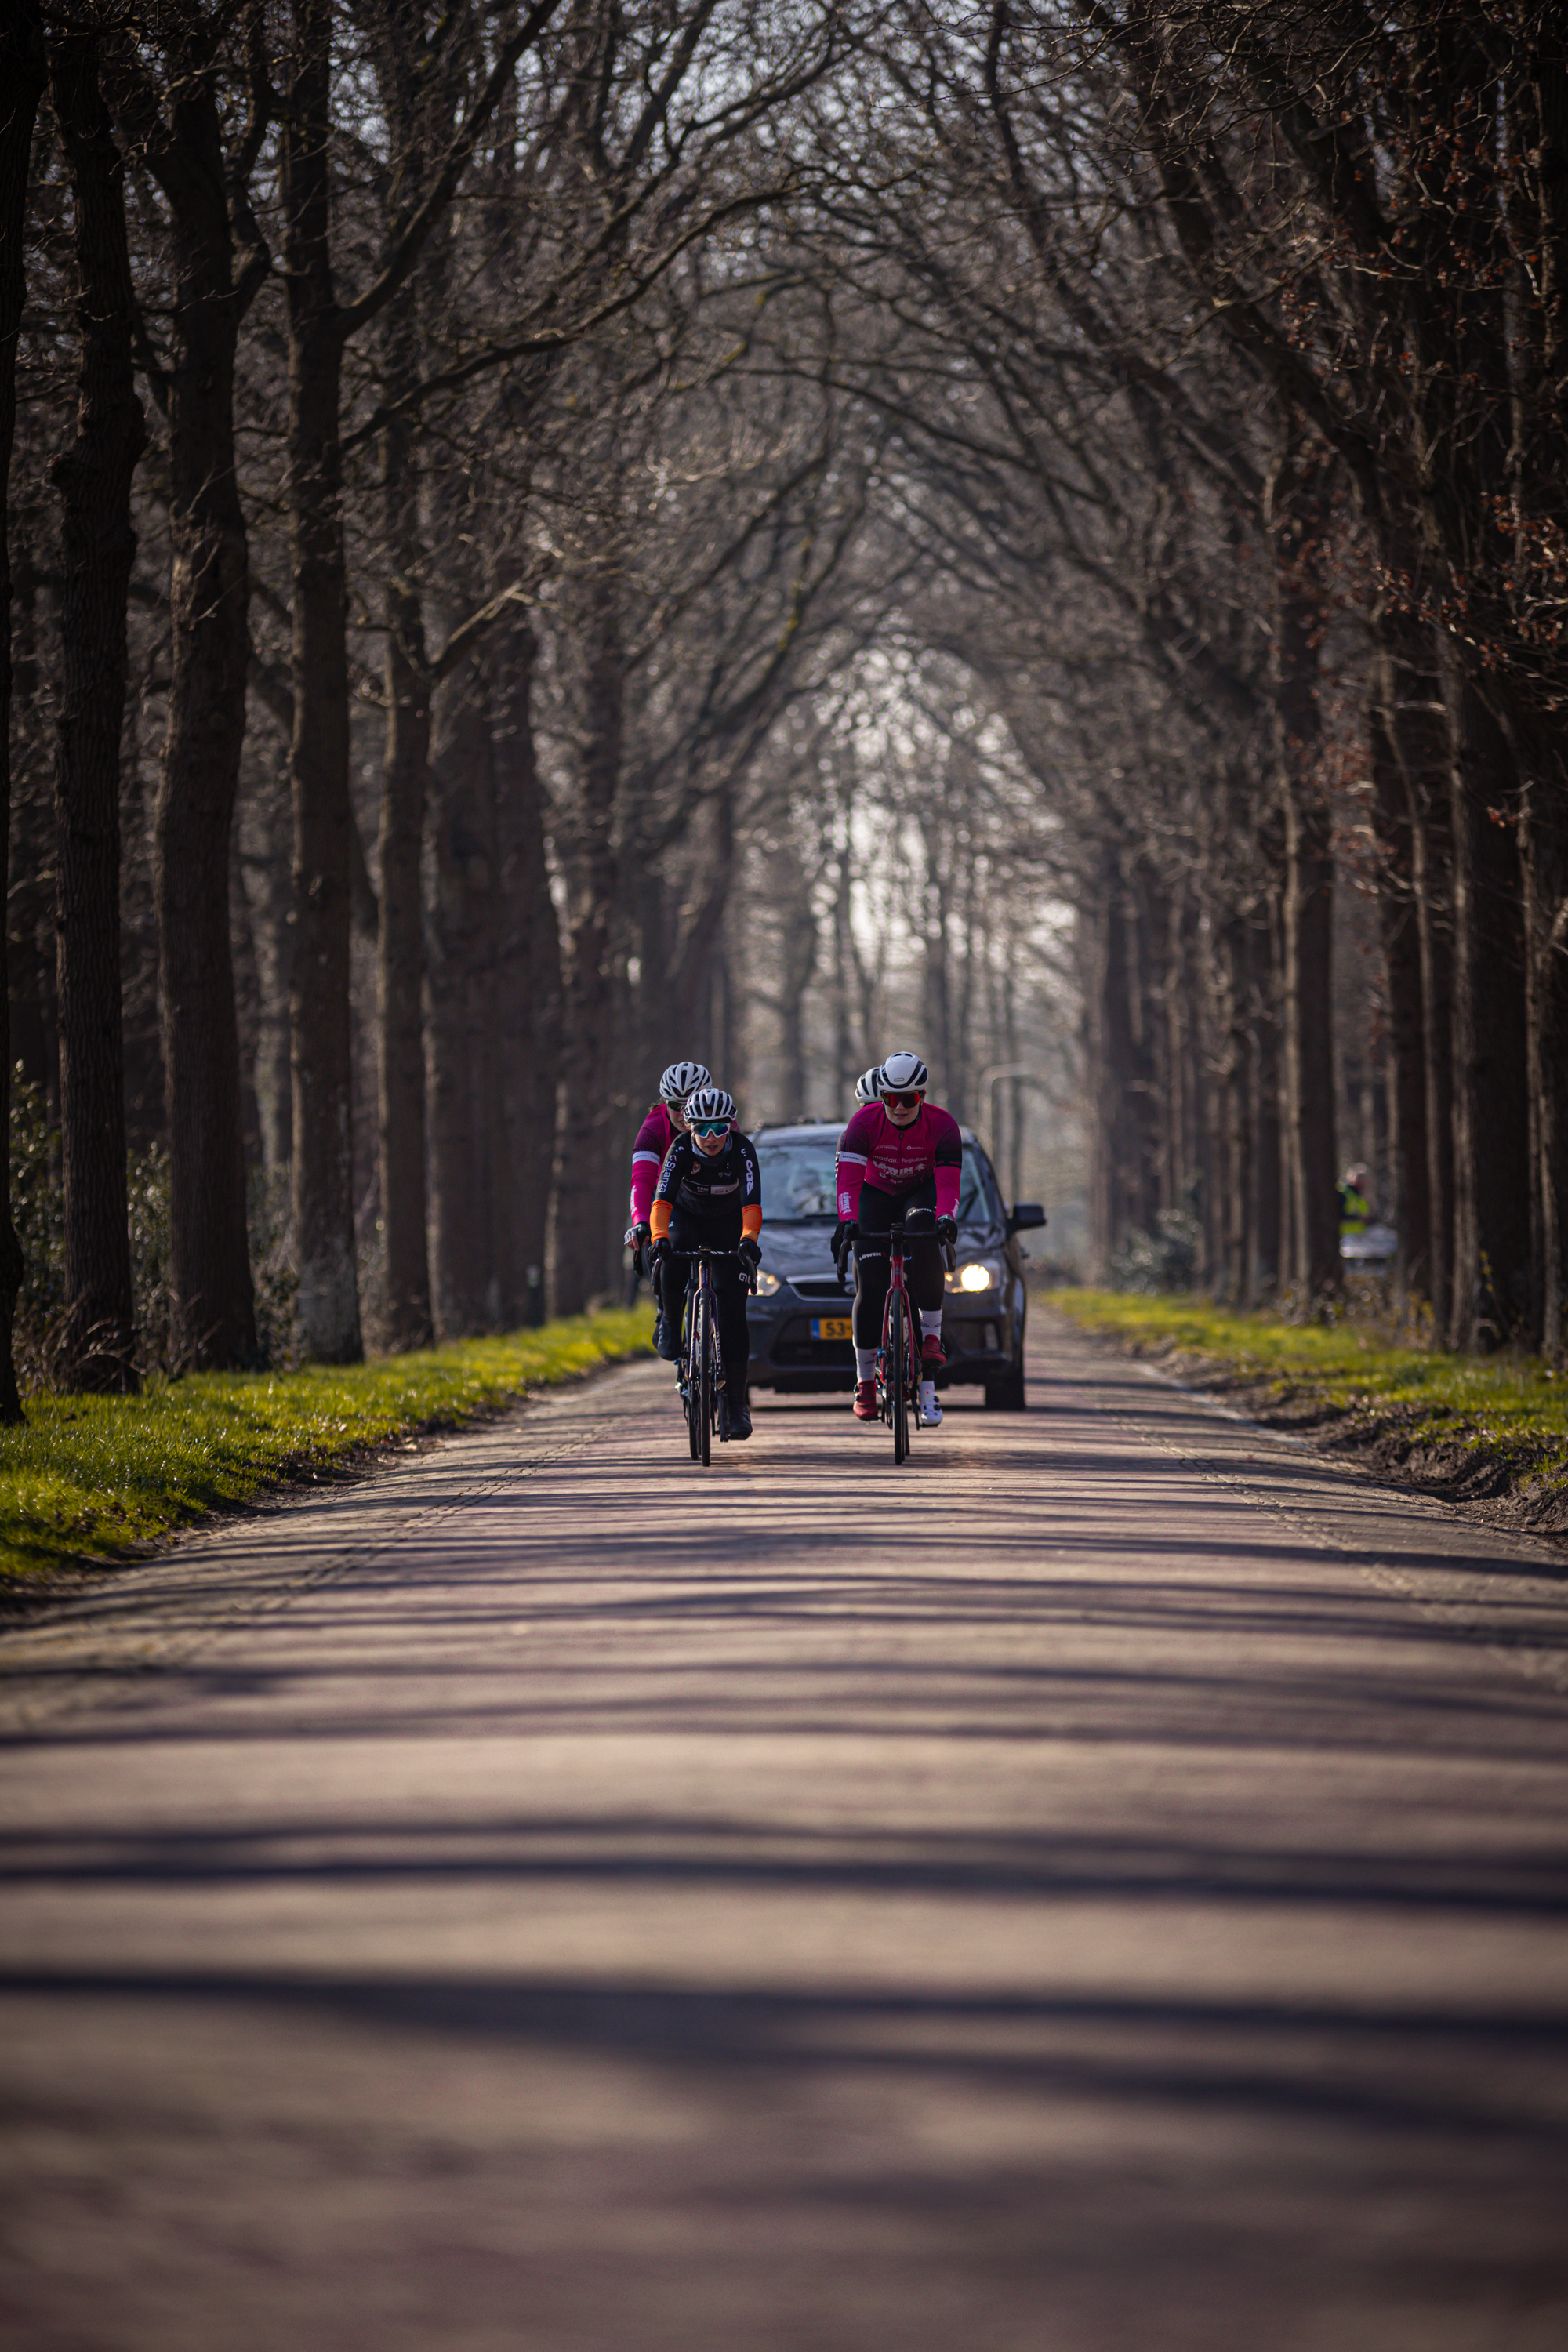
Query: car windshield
<point x="798" y="1183"/>
<point x="979" y="1203"/>
<point x="798" y="1180"/>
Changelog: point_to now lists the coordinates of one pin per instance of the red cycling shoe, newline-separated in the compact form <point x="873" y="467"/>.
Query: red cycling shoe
<point x="865" y="1400"/>
<point x="932" y="1356"/>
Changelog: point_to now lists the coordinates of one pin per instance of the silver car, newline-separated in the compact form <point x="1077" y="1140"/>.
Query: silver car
<point x="799" y="1319"/>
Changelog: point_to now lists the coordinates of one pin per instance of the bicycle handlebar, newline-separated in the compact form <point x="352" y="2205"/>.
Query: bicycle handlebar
<point x="706" y="1254"/>
<point x="897" y="1235"/>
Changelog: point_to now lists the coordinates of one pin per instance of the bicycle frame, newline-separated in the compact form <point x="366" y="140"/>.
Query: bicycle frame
<point x="899" y="1363"/>
<point x="704" y="1389"/>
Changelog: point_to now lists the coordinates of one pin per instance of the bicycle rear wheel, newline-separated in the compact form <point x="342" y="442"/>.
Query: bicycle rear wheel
<point x="702" y="1316"/>
<point x="898" y="1374"/>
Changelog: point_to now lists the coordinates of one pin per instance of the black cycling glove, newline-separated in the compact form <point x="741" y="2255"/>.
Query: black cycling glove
<point x="844" y="1233"/>
<point x="751" y="1252"/>
<point x="947" y="1229"/>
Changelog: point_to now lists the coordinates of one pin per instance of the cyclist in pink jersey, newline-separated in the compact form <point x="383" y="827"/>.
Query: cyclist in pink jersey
<point x="900" y="1159"/>
<point x="665" y="1120"/>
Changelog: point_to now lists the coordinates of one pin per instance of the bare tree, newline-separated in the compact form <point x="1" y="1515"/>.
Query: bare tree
<point x="24" y="77"/>
<point x="93" y="476"/>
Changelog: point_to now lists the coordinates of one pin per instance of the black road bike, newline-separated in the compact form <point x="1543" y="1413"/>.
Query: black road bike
<point x="704" y="1392"/>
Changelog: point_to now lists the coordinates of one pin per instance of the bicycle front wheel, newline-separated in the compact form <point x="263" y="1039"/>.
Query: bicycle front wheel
<point x="702" y="1322"/>
<point x="691" y="1387"/>
<point x="898" y="1374"/>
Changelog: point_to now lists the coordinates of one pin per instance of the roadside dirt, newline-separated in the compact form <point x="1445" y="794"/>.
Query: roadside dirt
<point x="1491" y="1483"/>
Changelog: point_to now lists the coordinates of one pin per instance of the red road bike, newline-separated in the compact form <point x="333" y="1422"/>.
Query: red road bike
<point x="899" y="1357"/>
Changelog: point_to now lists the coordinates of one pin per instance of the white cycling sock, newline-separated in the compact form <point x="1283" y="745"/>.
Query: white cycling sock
<point x="864" y="1363"/>
<point x="931" y="1322"/>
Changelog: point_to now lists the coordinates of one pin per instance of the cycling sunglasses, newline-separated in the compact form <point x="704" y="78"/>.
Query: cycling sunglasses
<point x="905" y="1101"/>
<point x="710" y="1126"/>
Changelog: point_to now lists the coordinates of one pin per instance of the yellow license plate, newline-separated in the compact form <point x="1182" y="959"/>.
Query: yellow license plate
<point x="831" y="1327"/>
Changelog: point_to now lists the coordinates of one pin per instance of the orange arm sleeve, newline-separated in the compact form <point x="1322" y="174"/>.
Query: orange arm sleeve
<point x="751" y="1221"/>
<point x="658" y="1220"/>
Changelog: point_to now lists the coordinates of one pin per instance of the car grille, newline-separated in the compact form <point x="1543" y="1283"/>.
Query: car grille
<point x="795" y="1346"/>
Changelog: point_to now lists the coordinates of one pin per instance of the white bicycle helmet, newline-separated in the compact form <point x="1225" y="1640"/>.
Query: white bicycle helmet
<point x="681" y="1079"/>
<point x="868" y="1086"/>
<point x="709" y="1102"/>
<point x="903" y="1074"/>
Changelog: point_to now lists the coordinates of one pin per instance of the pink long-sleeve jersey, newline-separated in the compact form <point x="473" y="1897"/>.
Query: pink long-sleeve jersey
<point x="872" y="1150"/>
<point x="655" y="1137"/>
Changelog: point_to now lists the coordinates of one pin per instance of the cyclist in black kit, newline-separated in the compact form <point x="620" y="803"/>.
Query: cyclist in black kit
<point x="709" y="1195"/>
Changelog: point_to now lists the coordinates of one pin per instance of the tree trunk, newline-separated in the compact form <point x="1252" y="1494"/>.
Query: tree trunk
<point x="1544" y="856"/>
<point x="1308" y="1044"/>
<point x="1139" y="1174"/>
<point x="1234" y="1175"/>
<point x="248" y="1005"/>
<point x="1157" y="1004"/>
<point x="1269" y="1231"/>
<point x="464" y="1063"/>
<point x="1265" y="1085"/>
<point x="799" y="945"/>
<point x="1401" y="932"/>
<point x="400" y="959"/>
<point x="24" y="73"/>
<point x="321" y="1044"/>
<point x="585" y="1206"/>
<point x="1491" y="1291"/>
<point x="936" y="1005"/>
<point x="30" y="847"/>
<point x="846" y="1065"/>
<point x="1432" y="818"/>
<point x="93" y="477"/>
<point x="529" y="978"/>
<point x="214" y="1320"/>
<point x="694" y="1010"/>
<point x="418" y="105"/>
<point x="1123" y="1191"/>
<point x="1097" y="958"/>
<point x="1297" y="506"/>
<point x="269" y="896"/>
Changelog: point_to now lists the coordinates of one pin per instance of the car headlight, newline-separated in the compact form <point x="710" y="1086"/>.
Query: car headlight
<point x="978" y="1274"/>
<point x="767" y="1283"/>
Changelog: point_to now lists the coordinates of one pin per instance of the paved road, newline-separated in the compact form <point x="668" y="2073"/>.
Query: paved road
<point x="1105" y="1885"/>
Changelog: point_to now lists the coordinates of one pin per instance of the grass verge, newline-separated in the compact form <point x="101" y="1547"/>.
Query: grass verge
<point x="91" y="1477"/>
<point x="1490" y="1430"/>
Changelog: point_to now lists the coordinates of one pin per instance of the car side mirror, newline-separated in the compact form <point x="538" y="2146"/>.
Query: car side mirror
<point x="1024" y="1216"/>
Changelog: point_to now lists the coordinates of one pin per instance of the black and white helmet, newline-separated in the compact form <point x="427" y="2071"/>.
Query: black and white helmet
<point x="709" y="1102"/>
<point x="681" y="1079"/>
<point x="903" y="1074"/>
<point x="868" y="1086"/>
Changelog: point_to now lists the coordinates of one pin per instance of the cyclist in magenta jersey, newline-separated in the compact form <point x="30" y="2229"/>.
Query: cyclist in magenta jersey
<point x="666" y="1120"/>
<point x="900" y="1161"/>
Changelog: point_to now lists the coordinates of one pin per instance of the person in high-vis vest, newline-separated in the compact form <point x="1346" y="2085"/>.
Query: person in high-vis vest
<point x="1355" y="1208"/>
